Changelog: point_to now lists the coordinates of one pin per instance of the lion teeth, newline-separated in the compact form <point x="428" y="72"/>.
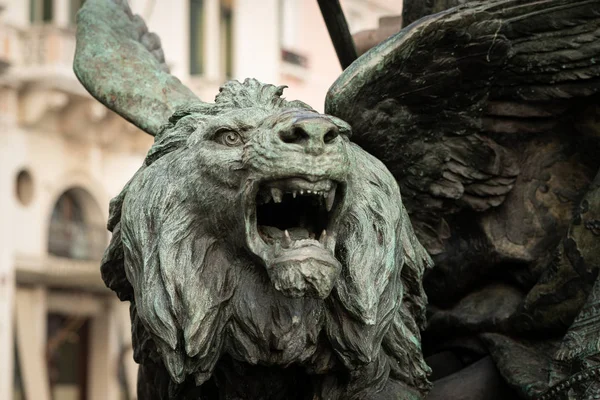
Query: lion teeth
<point x="287" y="239"/>
<point x="277" y="195"/>
<point x="264" y="198"/>
<point x="323" y="237"/>
<point x="330" y="199"/>
<point x="294" y="193"/>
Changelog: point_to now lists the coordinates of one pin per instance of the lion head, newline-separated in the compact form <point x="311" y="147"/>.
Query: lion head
<point x="256" y="229"/>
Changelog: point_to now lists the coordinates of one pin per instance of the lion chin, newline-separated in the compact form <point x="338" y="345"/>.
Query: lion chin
<point x="291" y="225"/>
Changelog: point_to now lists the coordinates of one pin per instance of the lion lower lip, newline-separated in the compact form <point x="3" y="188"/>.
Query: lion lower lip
<point x="292" y="238"/>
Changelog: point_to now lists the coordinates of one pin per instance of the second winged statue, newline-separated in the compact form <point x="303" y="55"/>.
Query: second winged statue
<point x="266" y="251"/>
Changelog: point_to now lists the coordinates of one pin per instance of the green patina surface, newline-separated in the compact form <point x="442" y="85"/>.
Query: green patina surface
<point x="267" y="256"/>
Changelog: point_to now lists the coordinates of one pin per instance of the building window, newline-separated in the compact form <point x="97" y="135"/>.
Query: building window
<point x="196" y="37"/>
<point x="288" y="33"/>
<point x="24" y="187"/>
<point x="227" y="38"/>
<point x="72" y="234"/>
<point x="67" y="356"/>
<point x="41" y="11"/>
<point x="75" y="6"/>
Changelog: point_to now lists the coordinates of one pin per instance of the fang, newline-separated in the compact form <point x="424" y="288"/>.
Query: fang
<point x="323" y="237"/>
<point x="330" y="199"/>
<point x="277" y="195"/>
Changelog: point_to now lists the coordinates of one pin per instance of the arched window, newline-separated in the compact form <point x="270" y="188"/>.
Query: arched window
<point x="76" y="229"/>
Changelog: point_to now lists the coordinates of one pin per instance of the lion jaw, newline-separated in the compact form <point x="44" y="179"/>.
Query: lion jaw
<point x="291" y="224"/>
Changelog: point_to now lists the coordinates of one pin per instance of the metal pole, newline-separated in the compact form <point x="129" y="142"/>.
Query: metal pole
<point x="338" y="31"/>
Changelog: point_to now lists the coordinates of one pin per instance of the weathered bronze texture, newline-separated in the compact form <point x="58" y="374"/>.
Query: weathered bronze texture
<point x="267" y="256"/>
<point x="490" y="123"/>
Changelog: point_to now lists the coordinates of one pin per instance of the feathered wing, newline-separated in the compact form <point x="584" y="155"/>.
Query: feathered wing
<point x="123" y="65"/>
<point x="435" y="101"/>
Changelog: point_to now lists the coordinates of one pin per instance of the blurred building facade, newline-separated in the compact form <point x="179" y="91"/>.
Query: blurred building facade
<point x="63" y="156"/>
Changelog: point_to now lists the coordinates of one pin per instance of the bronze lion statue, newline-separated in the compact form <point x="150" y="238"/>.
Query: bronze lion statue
<point x="267" y="256"/>
<point x="256" y="235"/>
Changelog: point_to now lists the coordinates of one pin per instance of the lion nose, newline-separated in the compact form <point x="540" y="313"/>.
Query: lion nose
<point x="312" y="134"/>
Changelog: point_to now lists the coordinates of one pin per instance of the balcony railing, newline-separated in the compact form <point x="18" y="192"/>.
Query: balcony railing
<point x="76" y="240"/>
<point x="294" y="58"/>
<point x="48" y="46"/>
<point x="37" y="46"/>
<point x="9" y="44"/>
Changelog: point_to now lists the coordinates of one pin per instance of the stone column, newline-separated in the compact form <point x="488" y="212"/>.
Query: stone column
<point x="31" y="341"/>
<point x="104" y="355"/>
<point x="62" y="13"/>
<point x="213" y="70"/>
<point x="256" y="52"/>
<point x="126" y="351"/>
<point x="7" y="276"/>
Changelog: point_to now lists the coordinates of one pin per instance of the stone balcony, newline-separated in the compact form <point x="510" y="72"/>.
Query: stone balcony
<point x="47" y="46"/>
<point x="72" y="259"/>
<point x="59" y="272"/>
<point x="39" y="53"/>
<point x="8" y="46"/>
<point x="39" y="90"/>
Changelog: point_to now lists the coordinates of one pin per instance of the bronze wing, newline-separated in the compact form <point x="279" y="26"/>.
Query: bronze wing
<point x="123" y="65"/>
<point x="443" y="102"/>
<point x="454" y="105"/>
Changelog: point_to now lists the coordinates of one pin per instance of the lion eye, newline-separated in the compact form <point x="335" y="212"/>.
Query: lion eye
<point x="230" y="138"/>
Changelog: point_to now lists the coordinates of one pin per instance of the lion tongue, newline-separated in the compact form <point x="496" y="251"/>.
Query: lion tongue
<point x="299" y="233"/>
<point x="276" y="233"/>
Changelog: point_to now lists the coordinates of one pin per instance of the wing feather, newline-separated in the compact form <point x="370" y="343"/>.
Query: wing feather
<point x="123" y="65"/>
<point x="433" y="101"/>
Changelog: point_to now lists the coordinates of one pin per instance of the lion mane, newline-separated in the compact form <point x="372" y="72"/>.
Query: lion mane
<point x="193" y="286"/>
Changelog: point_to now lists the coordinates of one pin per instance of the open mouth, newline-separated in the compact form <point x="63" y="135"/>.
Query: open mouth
<point x="292" y="224"/>
<point x="293" y="213"/>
